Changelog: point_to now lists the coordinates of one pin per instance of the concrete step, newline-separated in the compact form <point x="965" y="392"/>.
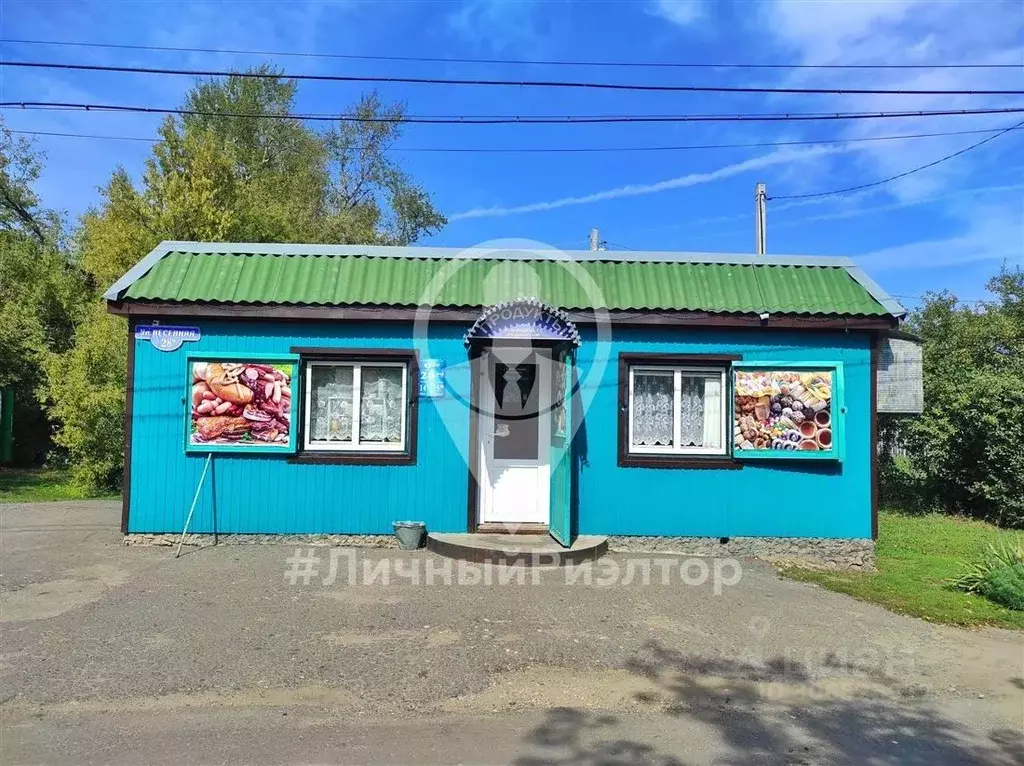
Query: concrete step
<point x="528" y="550"/>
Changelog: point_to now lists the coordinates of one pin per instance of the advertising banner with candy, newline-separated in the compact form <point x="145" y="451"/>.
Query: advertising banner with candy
<point x="788" y="411"/>
<point x="241" y="404"/>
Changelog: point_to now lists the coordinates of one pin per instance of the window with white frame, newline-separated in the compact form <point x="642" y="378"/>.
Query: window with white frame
<point x="677" y="410"/>
<point x="358" y="406"/>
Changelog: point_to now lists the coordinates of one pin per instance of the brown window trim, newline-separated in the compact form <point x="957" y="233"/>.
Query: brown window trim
<point x="314" y="457"/>
<point x="628" y="460"/>
<point x="410" y="357"/>
<point x="722" y="462"/>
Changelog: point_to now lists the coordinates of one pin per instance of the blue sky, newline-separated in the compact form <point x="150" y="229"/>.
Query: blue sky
<point x="948" y="227"/>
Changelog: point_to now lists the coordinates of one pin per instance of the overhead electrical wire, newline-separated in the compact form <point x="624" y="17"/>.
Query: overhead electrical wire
<point x="560" y="84"/>
<point x="511" y="119"/>
<point x="910" y="172"/>
<point x="526" y="62"/>
<point x="574" y="149"/>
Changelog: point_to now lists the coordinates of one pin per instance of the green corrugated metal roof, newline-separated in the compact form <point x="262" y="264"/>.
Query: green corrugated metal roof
<point x="294" y="278"/>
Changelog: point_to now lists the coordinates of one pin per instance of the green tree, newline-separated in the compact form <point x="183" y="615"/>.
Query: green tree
<point x="968" y="445"/>
<point x="235" y="167"/>
<point x="21" y="213"/>
<point x="41" y="292"/>
<point x="366" y="191"/>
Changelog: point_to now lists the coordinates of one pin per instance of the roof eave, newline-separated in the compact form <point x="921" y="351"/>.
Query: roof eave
<point x="889" y="303"/>
<point x="140" y="269"/>
<point x="368" y="312"/>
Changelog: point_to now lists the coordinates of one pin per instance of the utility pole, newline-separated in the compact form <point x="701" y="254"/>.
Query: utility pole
<point x="760" y="219"/>
<point x="595" y="238"/>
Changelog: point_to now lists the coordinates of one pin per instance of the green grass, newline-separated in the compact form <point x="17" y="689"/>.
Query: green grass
<point x="916" y="554"/>
<point x="38" y="485"/>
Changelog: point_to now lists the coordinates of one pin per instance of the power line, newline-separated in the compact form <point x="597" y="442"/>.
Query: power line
<point x="505" y="83"/>
<point x="920" y="299"/>
<point x="529" y="62"/>
<point x="58" y="134"/>
<point x="905" y="173"/>
<point x="511" y="119"/>
<point x="572" y="149"/>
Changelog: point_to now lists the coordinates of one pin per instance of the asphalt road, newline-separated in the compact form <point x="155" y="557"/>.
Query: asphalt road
<point x="114" y="654"/>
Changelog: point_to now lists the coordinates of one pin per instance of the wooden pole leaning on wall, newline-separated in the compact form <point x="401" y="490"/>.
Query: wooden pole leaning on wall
<point x="195" y="500"/>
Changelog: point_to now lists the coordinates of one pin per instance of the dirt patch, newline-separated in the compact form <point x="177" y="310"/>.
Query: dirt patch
<point x="434" y="639"/>
<point x="307" y="696"/>
<point x="156" y="640"/>
<point x="540" y="687"/>
<point x="362" y="597"/>
<point x="660" y="623"/>
<point x="620" y="690"/>
<point x="439" y="638"/>
<point x="353" y="638"/>
<point x="45" y="600"/>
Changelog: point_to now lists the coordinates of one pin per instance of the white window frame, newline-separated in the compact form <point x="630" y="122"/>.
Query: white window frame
<point x="357" y="391"/>
<point x="677" y="372"/>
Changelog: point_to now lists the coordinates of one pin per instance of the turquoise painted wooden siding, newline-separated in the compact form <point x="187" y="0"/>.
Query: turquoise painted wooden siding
<point x="268" y="494"/>
<point x="768" y="498"/>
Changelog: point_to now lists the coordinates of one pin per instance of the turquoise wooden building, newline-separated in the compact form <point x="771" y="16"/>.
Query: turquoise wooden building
<point x="634" y="395"/>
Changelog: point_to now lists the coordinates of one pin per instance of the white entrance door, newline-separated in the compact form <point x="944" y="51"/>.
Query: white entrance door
<point x="515" y="435"/>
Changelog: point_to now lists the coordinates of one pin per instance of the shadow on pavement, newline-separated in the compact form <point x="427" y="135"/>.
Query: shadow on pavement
<point x="564" y="731"/>
<point x="773" y="713"/>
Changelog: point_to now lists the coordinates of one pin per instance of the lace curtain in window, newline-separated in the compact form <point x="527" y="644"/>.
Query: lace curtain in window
<point x="330" y="415"/>
<point x="691" y="411"/>
<point x="652" y="409"/>
<point x="380" y="406"/>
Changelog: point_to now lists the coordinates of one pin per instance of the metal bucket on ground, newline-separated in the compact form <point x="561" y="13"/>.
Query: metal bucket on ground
<point x="410" y="534"/>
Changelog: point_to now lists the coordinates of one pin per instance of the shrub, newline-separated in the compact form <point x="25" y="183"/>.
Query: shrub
<point x="41" y="292"/>
<point x="998" y="575"/>
<point x="87" y="387"/>
<point x="965" y="446"/>
<point x="1005" y="586"/>
<point x="901" y="485"/>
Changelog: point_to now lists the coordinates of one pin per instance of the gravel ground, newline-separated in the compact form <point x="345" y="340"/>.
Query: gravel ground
<point x="125" y="654"/>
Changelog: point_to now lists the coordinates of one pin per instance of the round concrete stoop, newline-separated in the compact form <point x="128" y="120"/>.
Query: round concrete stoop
<point x="518" y="550"/>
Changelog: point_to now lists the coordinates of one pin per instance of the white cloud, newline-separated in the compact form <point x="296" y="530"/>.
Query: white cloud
<point x="635" y="190"/>
<point x="849" y="208"/>
<point x="989" y="232"/>
<point x="853" y="211"/>
<point x="825" y="32"/>
<point x="680" y="12"/>
<point x="499" y="25"/>
<point x="906" y="32"/>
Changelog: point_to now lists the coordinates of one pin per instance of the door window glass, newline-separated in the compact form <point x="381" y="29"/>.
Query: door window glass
<point x="516" y="419"/>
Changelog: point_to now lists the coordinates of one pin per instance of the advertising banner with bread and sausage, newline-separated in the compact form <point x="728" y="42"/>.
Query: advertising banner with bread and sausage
<point x="241" y="404"/>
